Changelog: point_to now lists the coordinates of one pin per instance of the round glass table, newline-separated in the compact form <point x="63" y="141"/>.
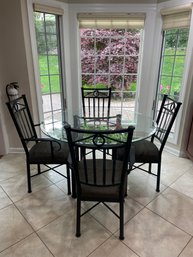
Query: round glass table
<point x="144" y="128"/>
<point x="144" y="125"/>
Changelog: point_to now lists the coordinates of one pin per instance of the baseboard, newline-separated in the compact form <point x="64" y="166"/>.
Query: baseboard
<point x="175" y="151"/>
<point x="15" y="150"/>
<point x="172" y="150"/>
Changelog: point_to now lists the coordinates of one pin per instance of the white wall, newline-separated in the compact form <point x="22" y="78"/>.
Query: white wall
<point x="12" y="64"/>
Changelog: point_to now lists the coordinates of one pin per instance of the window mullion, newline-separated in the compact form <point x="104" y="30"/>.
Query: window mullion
<point x="174" y="62"/>
<point x="48" y="62"/>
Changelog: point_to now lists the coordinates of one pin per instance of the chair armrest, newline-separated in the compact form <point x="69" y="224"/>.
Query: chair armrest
<point x="38" y="124"/>
<point x="45" y="140"/>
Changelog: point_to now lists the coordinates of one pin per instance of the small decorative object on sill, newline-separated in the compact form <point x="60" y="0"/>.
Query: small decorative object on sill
<point x="12" y="90"/>
<point x="118" y="122"/>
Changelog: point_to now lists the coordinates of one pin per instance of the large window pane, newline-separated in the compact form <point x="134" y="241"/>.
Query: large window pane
<point x="173" y="58"/>
<point x="48" y="38"/>
<point x="168" y="62"/>
<point x="172" y="64"/>
<point x="110" y="58"/>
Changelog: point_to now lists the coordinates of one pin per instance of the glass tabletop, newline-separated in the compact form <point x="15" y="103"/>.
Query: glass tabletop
<point x="144" y="125"/>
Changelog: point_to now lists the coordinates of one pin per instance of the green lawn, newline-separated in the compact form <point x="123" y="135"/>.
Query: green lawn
<point x="172" y="71"/>
<point x="50" y="66"/>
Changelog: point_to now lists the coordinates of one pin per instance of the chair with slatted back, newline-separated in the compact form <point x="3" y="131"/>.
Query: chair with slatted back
<point x="150" y="151"/>
<point x="40" y="151"/>
<point x="96" y="102"/>
<point x="99" y="177"/>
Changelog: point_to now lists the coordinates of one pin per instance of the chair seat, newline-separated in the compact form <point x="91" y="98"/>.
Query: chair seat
<point x="146" y="150"/>
<point x="100" y="192"/>
<point x="104" y="194"/>
<point x="41" y="153"/>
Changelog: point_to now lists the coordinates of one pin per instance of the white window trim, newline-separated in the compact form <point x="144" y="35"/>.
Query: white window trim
<point x="148" y="9"/>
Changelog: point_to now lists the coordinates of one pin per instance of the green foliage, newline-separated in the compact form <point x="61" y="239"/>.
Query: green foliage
<point x="48" y="27"/>
<point x="109" y="139"/>
<point x="171" y="83"/>
<point x="97" y="86"/>
<point x="133" y="87"/>
<point x="174" y="41"/>
<point x="173" y="61"/>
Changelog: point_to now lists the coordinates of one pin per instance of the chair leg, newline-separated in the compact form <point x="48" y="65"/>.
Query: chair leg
<point x="28" y="178"/>
<point x="121" y="236"/>
<point x="126" y="185"/>
<point x="73" y="185"/>
<point x="39" y="169"/>
<point x="158" y="177"/>
<point x="68" y="178"/>
<point x="78" y="211"/>
<point x="149" y="170"/>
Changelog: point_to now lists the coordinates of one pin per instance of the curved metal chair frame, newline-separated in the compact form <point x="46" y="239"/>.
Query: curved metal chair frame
<point x="96" y="102"/>
<point x="99" y="177"/>
<point x="151" y="151"/>
<point x="40" y="151"/>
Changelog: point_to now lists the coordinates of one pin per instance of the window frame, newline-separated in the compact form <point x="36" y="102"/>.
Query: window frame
<point x="109" y="74"/>
<point x="49" y="74"/>
<point x="176" y="139"/>
<point x="64" y="41"/>
<point x="174" y="56"/>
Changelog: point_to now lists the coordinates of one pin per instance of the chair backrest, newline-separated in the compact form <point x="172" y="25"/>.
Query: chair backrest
<point x="98" y="123"/>
<point x="99" y="168"/>
<point x="166" y="116"/>
<point x="96" y="102"/>
<point x="20" y="113"/>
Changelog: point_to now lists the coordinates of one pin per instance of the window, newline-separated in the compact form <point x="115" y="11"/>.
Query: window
<point x="47" y="28"/>
<point x="176" y="24"/>
<point x="172" y="61"/>
<point x="110" y="56"/>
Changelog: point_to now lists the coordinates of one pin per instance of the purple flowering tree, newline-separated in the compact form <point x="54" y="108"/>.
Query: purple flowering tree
<point x="109" y="57"/>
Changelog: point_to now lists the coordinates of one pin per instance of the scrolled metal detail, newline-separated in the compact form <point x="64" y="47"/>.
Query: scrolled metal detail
<point x="96" y="93"/>
<point x="98" y="140"/>
<point x="172" y="106"/>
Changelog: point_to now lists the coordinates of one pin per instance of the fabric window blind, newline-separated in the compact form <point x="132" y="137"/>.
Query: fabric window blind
<point x="47" y="9"/>
<point x="178" y="17"/>
<point x="107" y="20"/>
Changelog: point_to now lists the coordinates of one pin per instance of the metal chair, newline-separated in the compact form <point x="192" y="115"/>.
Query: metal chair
<point x="38" y="151"/>
<point x="99" y="177"/>
<point x="151" y="151"/>
<point x="96" y="102"/>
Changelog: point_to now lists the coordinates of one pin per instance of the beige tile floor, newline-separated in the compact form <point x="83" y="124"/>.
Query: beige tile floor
<point x="42" y="224"/>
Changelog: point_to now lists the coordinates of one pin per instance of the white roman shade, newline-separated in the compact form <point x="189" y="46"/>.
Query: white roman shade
<point x="47" y="9"/>
<point x="178" y="17"/>
<point x="111" y="20"/>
